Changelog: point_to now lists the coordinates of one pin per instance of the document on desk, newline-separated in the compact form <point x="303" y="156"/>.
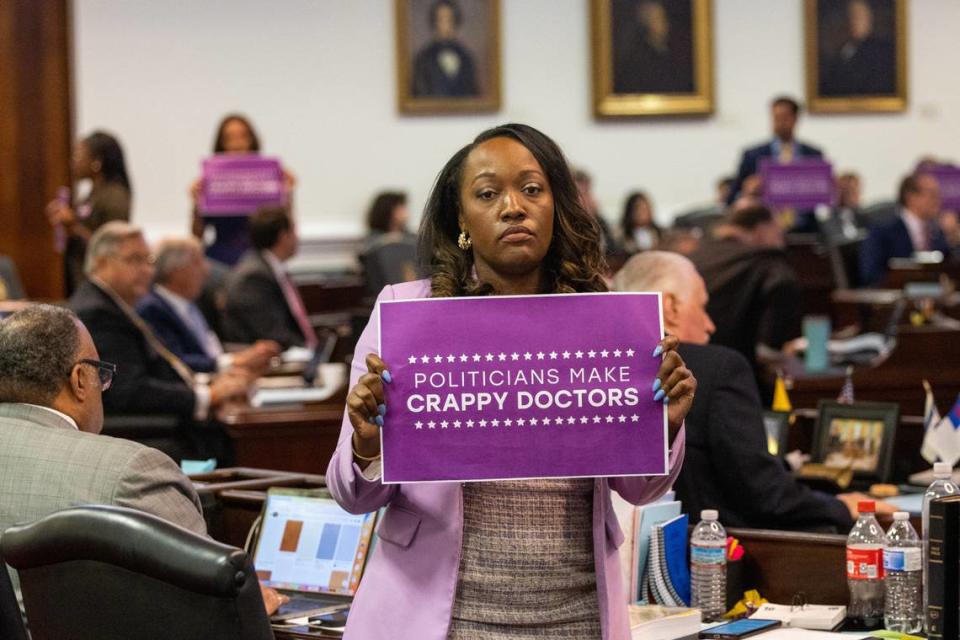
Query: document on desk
<point x="806" y="634"/>
<point x="519" y="387"/>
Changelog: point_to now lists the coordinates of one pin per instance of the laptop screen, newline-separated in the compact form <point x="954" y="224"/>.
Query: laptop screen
<point x="309" y="543"/>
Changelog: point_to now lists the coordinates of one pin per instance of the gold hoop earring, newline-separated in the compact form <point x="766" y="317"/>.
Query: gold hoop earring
<point x="464" y="241"/>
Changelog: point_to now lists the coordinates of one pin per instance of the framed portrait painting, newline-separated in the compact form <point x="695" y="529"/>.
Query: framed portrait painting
<point x="448" y="55"/>
<point x="856" y="53"/>
<point x="652" y="57"/>
<point x="856" y="436"/>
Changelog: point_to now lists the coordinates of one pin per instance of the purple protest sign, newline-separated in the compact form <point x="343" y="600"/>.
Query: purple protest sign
<point x="522" y="387"/>
<point x="801" y="184"/>
<point x="948" y="176"/>
<point x="240" y="184"/>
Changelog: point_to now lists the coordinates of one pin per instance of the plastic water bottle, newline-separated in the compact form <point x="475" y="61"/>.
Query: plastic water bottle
<point x="902" y="568"/>
<point x="942" y="486"/>
<point x="708" y="566"/>
<point x="865" y="568"/>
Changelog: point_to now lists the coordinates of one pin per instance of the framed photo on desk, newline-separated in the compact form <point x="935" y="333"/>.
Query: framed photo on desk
<point x="857" y="436"/>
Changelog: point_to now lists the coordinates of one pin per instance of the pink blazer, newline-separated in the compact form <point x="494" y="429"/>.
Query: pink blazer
<point x="410" y="583"/>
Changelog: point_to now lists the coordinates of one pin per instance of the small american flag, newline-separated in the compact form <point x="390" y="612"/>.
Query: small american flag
<point x="846" y="393"/>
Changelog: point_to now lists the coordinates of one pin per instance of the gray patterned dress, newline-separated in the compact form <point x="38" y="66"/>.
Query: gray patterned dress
<point x="527" y="562"/>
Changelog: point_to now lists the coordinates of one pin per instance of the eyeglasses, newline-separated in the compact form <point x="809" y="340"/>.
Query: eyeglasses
<point x="105" y="371"/>
<point x="138" y="259"/>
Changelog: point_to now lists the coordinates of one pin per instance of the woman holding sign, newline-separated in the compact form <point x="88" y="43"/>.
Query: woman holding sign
<point x="504" y="559"/>
<point x="227" y="237"/>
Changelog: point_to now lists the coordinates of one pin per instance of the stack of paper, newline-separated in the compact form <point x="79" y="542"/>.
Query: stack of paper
<point x="810" y="616"/>
<point x="653" y="622"/>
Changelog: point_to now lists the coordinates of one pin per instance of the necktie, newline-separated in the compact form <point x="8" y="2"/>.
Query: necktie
<point x="786" y="152"/>
<point x="295" y="302"/>
<point x="181" y="369"/>
<point x="201" y="330"/>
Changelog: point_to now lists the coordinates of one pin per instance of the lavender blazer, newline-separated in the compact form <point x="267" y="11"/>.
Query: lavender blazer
<point x="410" y="582"/>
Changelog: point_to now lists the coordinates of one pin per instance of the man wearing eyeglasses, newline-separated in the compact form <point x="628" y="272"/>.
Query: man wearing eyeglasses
<point x="51" y="386"/>
<point x="120" y="268"/>
<point x="51" y="454"/>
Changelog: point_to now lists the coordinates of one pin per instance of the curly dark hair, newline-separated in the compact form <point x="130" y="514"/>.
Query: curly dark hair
<point x="574" y="262"/>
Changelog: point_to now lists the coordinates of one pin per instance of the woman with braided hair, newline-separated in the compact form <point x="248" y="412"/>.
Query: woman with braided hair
<point x="506" y="559"/>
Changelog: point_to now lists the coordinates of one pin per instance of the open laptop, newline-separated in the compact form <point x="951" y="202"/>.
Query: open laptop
<point x="311" y="550"/>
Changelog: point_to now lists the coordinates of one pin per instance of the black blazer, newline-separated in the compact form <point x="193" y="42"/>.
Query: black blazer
<point x="174" y="333"/>
<point x="727" y="466"/>
<point x="750" y="162"/>
<point x="145" y="382"/>
<point x="256" y="308"/>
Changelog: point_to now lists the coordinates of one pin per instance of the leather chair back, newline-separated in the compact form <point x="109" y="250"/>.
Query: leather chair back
<point x="103" y="572"/>
<point x="11" y="622"/>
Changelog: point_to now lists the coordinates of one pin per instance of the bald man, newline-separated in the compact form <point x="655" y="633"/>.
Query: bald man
<point x="727" y="467"/>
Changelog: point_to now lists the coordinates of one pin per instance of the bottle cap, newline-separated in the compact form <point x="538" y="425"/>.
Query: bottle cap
<point x="710" y="515"/>
<point x="866" y="506"/>
<point x="901" y="515"/>
<point x="942" y="470"/>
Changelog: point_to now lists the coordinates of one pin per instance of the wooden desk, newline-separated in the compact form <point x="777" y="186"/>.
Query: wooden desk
<point x="299" y="438"/>
<point x="902" y="272"/>
<point x="926" y="352"/>
<point x="782" y="563"/>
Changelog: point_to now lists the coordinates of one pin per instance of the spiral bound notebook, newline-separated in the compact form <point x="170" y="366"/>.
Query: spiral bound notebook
<point x="668" y="571"/>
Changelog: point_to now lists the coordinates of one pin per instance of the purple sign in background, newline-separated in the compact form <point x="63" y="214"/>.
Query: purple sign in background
<point x="240" y="184"/>
<point x="522" y="387"/>
<point x="949" y="178"/>
<point x="801" y="184"/>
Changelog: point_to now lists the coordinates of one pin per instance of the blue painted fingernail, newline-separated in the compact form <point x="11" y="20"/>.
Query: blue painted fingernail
<point x="657" y="351"/>
<point x="386" y="377"/>
<point x="656" y="384"/>
<point x="379" y="421"/>
<point x="382" y="409"/>
<point x="658" y="396"/>
<point x="666" y="401"/>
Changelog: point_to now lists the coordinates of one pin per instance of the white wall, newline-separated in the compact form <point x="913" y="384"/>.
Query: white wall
<point x="317" y="77"/>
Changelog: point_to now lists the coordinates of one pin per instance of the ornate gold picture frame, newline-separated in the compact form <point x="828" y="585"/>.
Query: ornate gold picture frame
<point x="448" y="56"/>
<point x="652" y="57"/>
<point x="856" y="55"/>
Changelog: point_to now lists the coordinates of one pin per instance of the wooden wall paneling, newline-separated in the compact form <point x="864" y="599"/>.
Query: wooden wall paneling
<point x="35" y="135"/>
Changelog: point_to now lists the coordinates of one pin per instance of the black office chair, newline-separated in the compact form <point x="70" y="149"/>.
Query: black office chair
<point x="102" y="573"/>
<point x="11" y="623"/>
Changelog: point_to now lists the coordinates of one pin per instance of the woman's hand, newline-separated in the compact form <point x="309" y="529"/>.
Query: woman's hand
<point x="60" y="213"/>
<point x="675" y="384"/>
<point x="366" y="408"/>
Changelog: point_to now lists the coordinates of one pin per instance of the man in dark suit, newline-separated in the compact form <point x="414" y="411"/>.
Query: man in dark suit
<point x="444" y="67"/>
<point x="754" y="292"/>
<point x="262" y="301"/>
<point x="915" y="229"/>
<point x="171" y="311"/>
<point x="727" y="465"/>
<point x="784" y="148"/>
<point x="119" y="268"/>
<point x="865" y="64"/>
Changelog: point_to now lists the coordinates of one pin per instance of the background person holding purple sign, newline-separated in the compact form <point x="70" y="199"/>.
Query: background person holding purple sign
<point x="99" y="159"/>
<point x="231" y="234"/>
<point x="504" y="559"/>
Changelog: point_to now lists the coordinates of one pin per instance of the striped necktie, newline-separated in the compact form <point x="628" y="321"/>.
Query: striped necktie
<point x="186" y="373"/>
